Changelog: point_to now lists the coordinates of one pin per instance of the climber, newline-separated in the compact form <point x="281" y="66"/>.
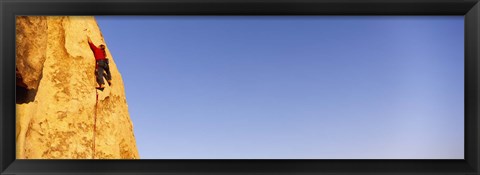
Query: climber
<point x="101" y="64"/>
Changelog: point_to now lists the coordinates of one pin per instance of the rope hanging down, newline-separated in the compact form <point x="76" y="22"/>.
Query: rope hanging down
<point x="95" y="124"/>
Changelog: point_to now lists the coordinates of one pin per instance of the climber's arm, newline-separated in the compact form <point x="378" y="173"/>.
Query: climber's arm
<point x="90" y="43"/>
<point x="89" y="40"/>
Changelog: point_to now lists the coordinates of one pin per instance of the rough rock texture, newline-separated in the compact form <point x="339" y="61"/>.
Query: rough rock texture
<point x="58" y="114"/>
<point x="31" y="51"/>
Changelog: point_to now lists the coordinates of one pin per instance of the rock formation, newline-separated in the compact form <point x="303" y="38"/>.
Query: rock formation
<point x="60" y="114"/>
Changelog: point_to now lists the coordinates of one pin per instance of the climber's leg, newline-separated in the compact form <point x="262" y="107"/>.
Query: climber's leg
<point x="108" y="75"/>
<point x="100" y="73"/>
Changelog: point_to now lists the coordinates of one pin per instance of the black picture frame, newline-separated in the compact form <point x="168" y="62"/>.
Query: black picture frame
<point x="11" y="8"/>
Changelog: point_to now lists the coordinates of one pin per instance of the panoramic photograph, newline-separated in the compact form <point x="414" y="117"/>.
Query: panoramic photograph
<point x="240" y="87"/>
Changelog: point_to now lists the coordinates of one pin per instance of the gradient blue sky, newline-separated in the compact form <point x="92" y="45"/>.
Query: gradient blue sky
<point x="292" y="87"/>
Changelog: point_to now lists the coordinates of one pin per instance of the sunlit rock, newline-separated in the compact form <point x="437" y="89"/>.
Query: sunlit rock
<point x="58" y="114"/>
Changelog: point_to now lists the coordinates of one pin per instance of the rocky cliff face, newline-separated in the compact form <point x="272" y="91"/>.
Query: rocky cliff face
<point x="60" y="114"/>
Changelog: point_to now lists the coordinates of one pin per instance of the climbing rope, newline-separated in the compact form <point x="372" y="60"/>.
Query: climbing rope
<point x="95" y="124"/>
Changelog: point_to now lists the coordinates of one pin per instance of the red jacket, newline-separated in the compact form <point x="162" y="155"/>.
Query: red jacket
<point x="97" y="52"/>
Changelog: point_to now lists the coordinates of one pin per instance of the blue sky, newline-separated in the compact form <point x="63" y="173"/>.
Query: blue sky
<point x="292" y="87"/>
